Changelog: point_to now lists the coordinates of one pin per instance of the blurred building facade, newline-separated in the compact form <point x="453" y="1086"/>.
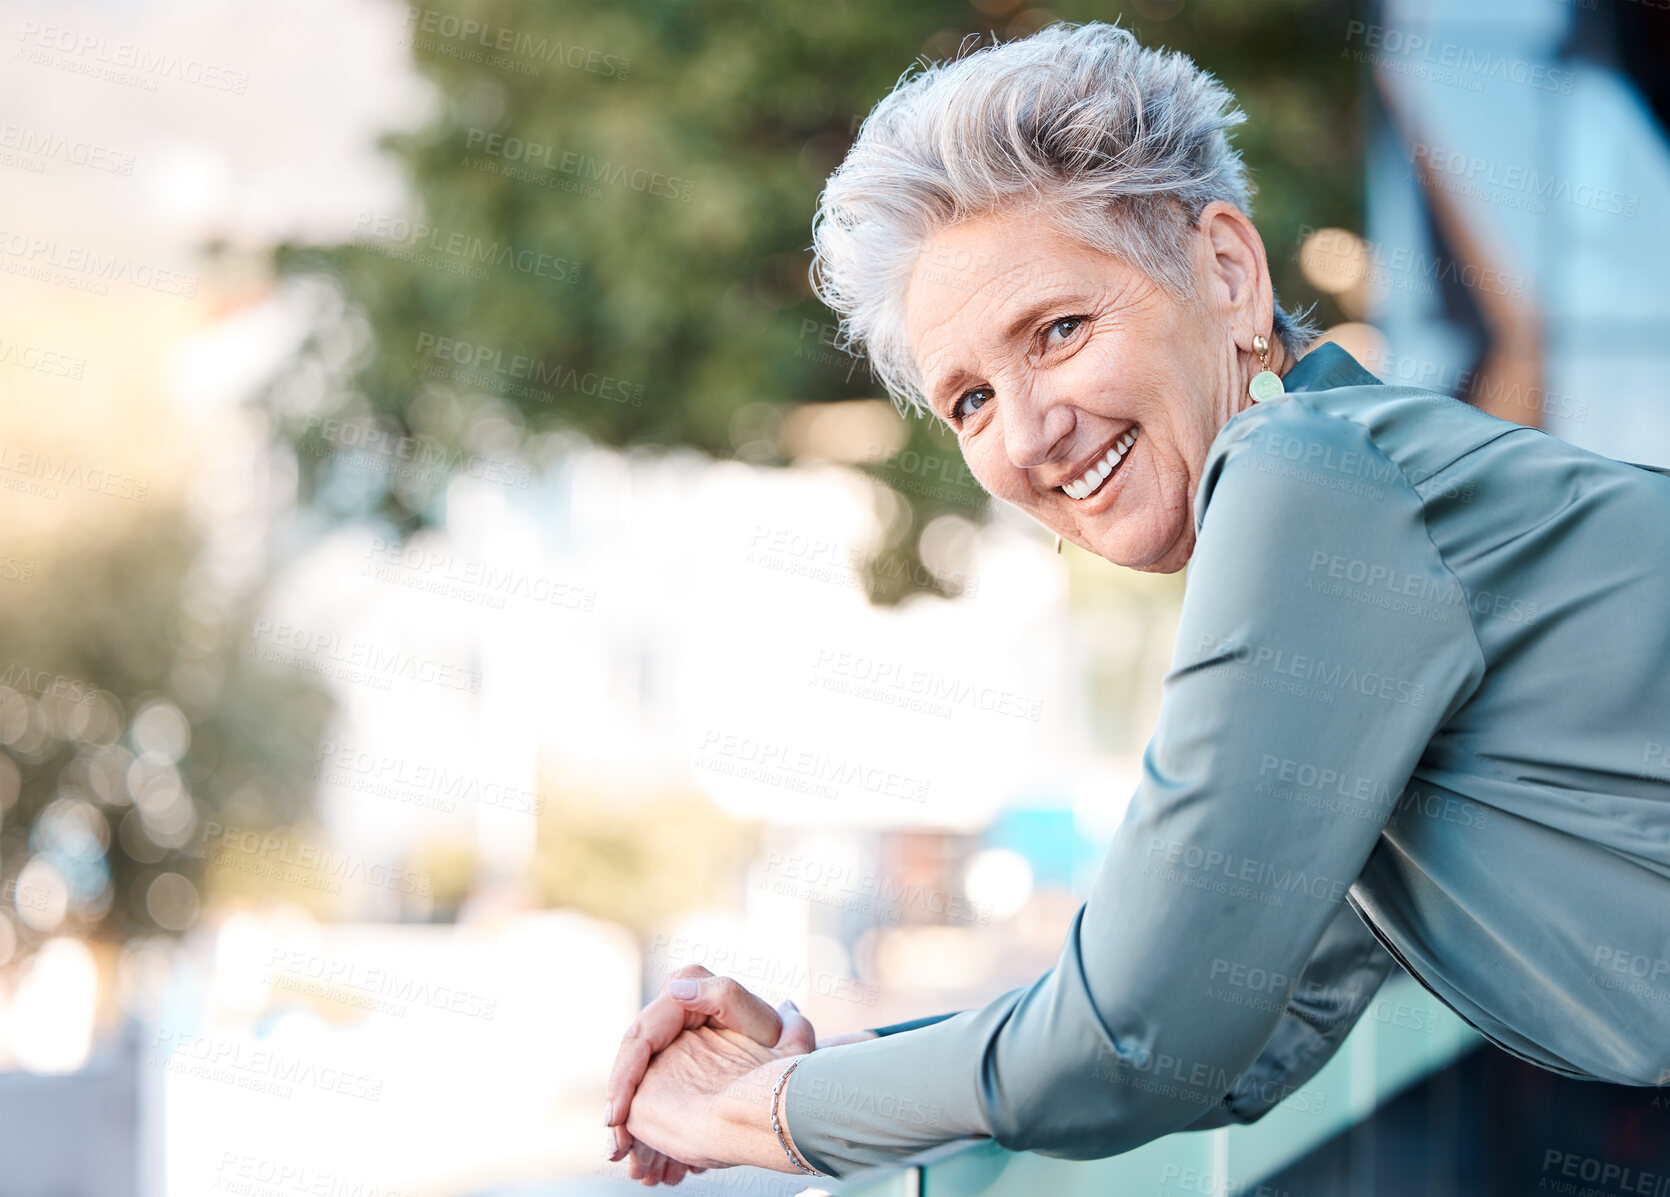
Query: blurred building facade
<point x="1518" y="180"/>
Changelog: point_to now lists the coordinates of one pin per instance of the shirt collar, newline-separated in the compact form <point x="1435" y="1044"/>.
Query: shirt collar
<point x="1325" y="367"/>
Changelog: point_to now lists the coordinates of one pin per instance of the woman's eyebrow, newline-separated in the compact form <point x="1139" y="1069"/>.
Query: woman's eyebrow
<point x="940" y="396"/>
<point x="1030" y="315"/>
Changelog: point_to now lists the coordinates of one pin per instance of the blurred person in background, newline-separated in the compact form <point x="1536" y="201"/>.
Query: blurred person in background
<point x="1416" y="709"/>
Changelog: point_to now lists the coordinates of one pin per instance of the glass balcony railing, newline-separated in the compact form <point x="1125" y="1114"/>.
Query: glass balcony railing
<point x="1404" y="1037"/>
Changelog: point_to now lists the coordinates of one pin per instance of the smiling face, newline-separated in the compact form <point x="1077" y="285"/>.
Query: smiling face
<point x="1080" y="391"/>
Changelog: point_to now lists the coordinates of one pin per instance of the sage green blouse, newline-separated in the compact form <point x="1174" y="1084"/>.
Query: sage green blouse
<point x="1420" y="695"/>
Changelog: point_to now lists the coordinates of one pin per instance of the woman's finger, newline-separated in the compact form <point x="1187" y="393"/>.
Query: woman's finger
<point x="656" y="1171"/>
<point x="798" y="1036"/>
<point x="657" y="1025"/>
<point x="637" y="1160"/>
<point x="728" y="1004"/>
<point x="631" y="1060"/>
<point x="646" y="1165"/>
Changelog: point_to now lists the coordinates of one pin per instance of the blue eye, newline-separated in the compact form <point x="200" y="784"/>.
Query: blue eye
<point x="1067" y="325"/>
<point x="957" y="412"/>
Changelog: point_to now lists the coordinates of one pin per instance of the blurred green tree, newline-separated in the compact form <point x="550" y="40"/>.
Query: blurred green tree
<point x="613" y="224"/>
<point x="130" y="722"/>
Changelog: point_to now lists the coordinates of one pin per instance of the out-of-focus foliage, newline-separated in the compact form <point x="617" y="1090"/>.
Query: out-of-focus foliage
<point x="614" y="205"/>
<point x="129" y="724"/>
<point x="642" y="863"/>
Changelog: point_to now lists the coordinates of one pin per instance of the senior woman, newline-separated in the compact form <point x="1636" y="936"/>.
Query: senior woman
<point x="1418" y="705"/>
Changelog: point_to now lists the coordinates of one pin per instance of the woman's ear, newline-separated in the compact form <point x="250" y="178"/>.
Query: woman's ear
<point x="1236" y="272"/>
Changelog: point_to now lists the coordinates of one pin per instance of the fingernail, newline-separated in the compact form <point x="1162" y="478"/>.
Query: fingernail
<point x="609" y="1115"/>
<point x="683" y="990"/>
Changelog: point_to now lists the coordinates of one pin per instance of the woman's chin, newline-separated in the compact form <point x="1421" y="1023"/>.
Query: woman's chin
<point x="1134" y="545"/>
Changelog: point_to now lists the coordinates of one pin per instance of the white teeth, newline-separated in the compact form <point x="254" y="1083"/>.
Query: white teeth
<point x="1091" y="480"/>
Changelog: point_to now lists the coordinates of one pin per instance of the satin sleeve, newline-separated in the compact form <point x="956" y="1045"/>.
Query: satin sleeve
<point x="1291" y="718"/>
<point x="1331" y="992"/>
<point x="913" y="1024"/>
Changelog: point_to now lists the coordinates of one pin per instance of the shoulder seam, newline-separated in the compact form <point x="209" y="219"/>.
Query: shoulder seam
<point x="1426" y="531"/>
<point x="1463" y="455"/>
<point x="1511" y="428"/>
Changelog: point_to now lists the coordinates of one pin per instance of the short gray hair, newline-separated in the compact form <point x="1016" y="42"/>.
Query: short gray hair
<point x="1119" y="146"/>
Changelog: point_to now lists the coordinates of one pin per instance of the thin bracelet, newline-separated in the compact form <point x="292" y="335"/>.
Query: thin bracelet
<point x="776" y="1093"/>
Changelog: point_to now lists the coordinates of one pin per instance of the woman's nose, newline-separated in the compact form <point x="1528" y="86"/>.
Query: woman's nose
<point x="1037" y="429"/>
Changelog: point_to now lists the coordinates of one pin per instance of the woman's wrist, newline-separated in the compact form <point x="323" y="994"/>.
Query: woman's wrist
<point x="779" y="1122"/>
<point x="747" y="1113"/>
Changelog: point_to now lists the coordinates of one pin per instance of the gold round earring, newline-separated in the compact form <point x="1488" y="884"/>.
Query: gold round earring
<point x="1058" y="545"/>
<point x="1266" y="384"/>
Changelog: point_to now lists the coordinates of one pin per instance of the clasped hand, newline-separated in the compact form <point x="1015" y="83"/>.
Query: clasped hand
<point x="691" y="1084"/>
